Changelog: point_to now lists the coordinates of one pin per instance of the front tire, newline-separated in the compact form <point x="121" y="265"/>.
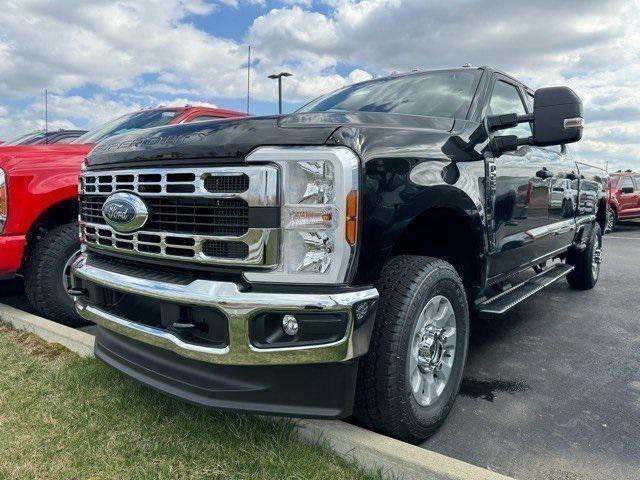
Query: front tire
<point x="409" y="380"/>
<point x="587" y="262"/>
<point x="46" y="275"/>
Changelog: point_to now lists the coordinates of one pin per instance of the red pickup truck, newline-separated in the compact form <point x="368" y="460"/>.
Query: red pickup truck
<point x="39" y="206"/>
<point x="624" y="197"/>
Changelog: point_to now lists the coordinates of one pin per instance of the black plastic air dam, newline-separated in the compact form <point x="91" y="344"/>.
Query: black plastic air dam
<point x="310" y="390"/>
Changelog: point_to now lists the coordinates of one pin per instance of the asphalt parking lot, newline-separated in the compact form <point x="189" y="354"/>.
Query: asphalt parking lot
<point x="552" y="391"/>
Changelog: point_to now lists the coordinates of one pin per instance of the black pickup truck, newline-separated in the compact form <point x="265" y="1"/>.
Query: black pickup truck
<point x="328" y="263"/>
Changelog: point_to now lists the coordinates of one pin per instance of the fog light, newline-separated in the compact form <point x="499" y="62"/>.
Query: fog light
<point x="290" y="325"/>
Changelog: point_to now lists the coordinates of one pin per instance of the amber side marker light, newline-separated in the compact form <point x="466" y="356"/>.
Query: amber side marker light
<point x="352" y="217"/>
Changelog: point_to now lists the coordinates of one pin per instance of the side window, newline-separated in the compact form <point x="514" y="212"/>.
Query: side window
<point x="626" y="183"/>
<point x="529" y="99"/>
<point x="506" y="99"/>
<point x="637" y="180"/>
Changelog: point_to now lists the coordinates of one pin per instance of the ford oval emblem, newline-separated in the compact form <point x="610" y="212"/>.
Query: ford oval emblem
<point x="125" y="212"/>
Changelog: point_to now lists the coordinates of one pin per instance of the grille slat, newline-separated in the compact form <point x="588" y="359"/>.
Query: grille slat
<point x="212" y="182"/>
<point x="215" y="248"/>
<point x="203" y="216"/>
<point x="167" y="245"/>
<point x="227" y="184"/>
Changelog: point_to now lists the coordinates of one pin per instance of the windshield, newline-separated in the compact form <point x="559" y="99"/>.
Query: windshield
<point x="26" y="139"/>
<point x="129" y="122"/>
<point x="445" y="93"/>
<point x="614" y="182"/>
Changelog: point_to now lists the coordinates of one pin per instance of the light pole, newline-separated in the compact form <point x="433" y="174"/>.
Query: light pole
<point x="279" y="76"/>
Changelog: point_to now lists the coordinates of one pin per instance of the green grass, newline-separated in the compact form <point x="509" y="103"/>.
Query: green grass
<point x="63" y="417"/>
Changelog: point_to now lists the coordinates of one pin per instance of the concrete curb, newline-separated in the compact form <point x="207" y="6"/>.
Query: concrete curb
<point x="75" y="340"/>
<point x="370" y="450"/>
<point x="395" y="459"/>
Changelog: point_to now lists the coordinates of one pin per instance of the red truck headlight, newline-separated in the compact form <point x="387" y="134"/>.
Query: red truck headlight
<point x="4" y="206"/>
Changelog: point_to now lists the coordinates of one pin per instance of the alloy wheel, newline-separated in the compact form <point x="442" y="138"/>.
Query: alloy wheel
<point x="596" y="259"/>
<point x="433" y="349"/>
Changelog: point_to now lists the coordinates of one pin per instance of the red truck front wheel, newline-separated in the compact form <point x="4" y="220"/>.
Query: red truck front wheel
<point x="45" y="273"/>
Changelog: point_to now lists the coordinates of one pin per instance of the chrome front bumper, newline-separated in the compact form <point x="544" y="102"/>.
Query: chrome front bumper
<point x="239" y="307"/>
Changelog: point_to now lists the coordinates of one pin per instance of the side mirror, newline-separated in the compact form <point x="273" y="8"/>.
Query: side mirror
<point x="557" y="117"/>
<point x="626" y="190"/>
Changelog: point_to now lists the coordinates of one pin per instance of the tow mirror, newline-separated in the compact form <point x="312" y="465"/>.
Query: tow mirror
<point x="557" y="117"/>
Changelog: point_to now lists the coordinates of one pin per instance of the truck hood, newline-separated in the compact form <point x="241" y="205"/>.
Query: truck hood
<point x="230" y="140"/>
<point x="22" y="157"/>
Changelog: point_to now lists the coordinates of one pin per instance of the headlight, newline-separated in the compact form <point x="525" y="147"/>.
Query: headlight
<point x="319" y="194"/>
<point x="4" y="200"/>
<point x="83" y="168"/>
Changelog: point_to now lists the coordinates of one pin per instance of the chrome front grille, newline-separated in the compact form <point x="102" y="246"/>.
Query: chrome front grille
<point x="256" y="185"/>
<point x="216" y="216"/>
<point x="201" y="216"/>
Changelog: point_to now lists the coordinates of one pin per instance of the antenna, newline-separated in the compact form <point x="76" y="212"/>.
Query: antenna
<point x="248" y="77"/>
<point x="46" y="111"/>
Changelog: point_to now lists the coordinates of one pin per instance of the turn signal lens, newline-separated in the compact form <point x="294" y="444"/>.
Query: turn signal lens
<point x="4" y="207"/>
<point x="352" y="217"/>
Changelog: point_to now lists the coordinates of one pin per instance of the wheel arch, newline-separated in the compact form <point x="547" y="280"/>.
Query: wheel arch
<point x="440" y="221"/>
<point x="454" y="239"/>
<point x="64" y="211"/>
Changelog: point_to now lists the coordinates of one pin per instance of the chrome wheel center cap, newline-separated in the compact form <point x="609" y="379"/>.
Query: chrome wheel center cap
<point x="431" y="349"/>
<point x="597" y="256"/>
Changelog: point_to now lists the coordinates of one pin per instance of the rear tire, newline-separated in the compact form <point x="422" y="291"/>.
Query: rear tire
<point x="394" y="375"/>
<point x="612" y="219"/>
<point x="45" y="271"/>
<point x="587" y="262"/>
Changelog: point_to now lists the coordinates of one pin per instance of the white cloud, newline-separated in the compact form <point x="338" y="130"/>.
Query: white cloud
<point x="181" y="102"/>
<point x="135" y="52"/>
<point x="302" y="3"/>
<point x="591" y="46"/>
<point x="71" y="44"/>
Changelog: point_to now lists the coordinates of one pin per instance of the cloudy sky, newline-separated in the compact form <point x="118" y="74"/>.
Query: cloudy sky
<point x="101" y="58"/>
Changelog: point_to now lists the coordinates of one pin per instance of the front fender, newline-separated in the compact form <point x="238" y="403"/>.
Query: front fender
<point x="399" y="191"/>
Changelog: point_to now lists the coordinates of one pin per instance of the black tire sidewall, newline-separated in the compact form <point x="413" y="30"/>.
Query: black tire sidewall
<point x="582" y="275"/>
<point x="595" y="241"/>
<point x="613" y="220"/>
<point x="424" y="420"/>
<point x="44" y="273"/>
<point x="67" y="250"/>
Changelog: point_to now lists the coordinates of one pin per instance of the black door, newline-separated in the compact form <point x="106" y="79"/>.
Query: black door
<point x="522" y="193"/>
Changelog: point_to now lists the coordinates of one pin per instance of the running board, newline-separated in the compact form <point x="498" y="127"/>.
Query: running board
<point x="505" y="301"/>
